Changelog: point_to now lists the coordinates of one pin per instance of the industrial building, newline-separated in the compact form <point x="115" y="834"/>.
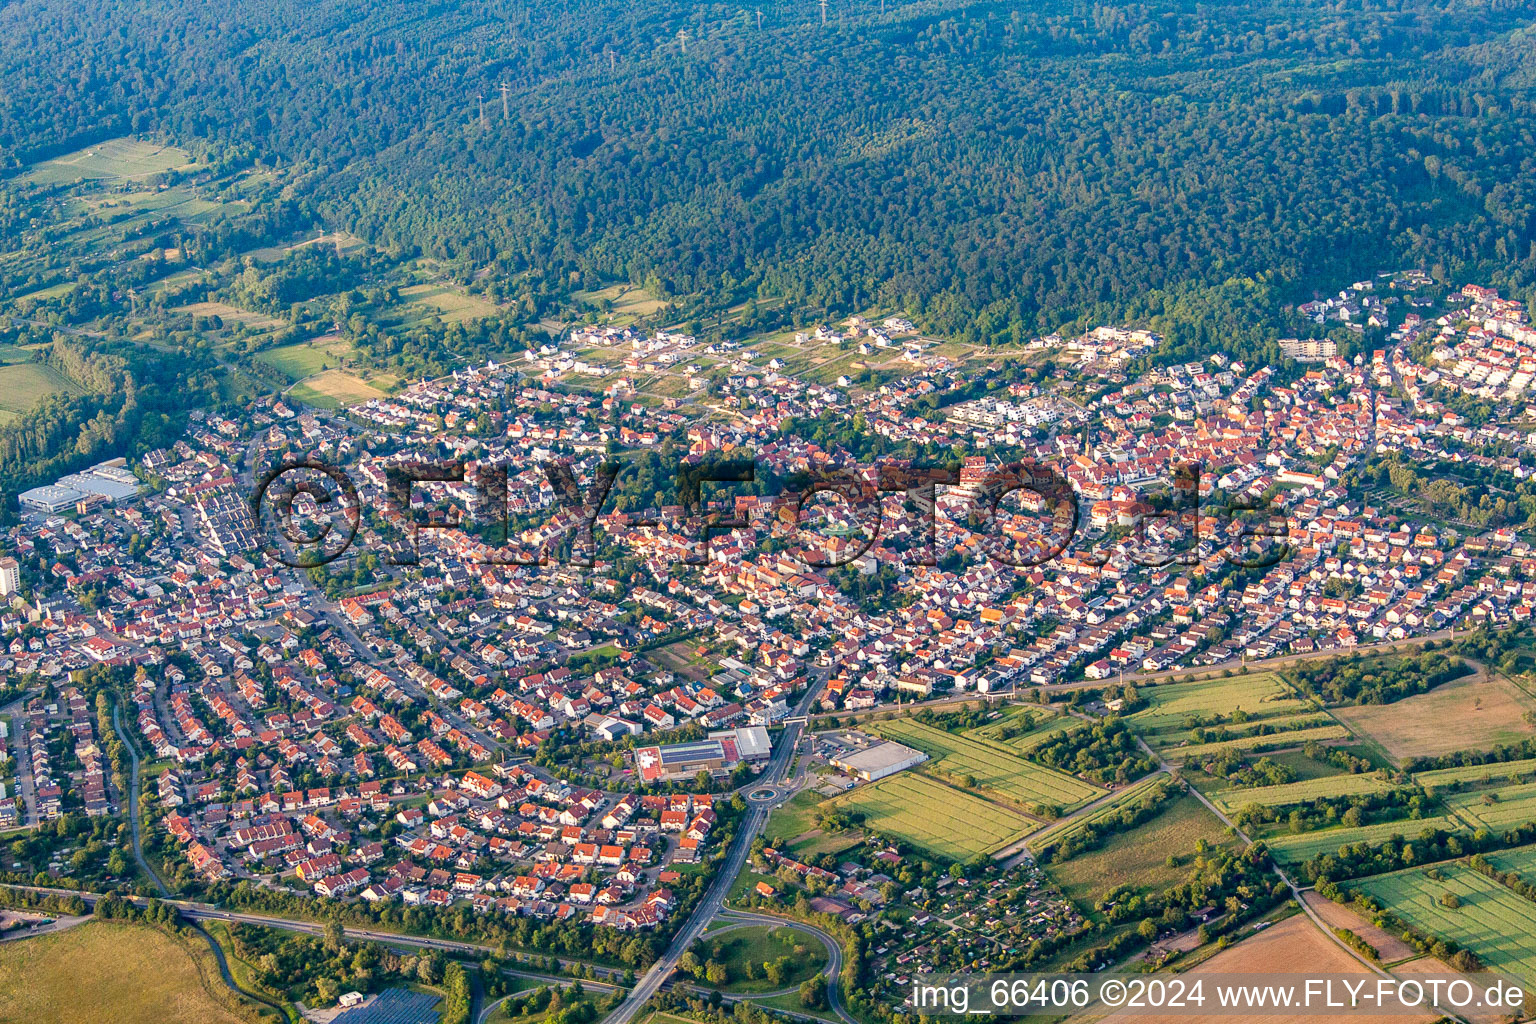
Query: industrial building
<point x="105" y="483"/>
<point x="878" y="761"/>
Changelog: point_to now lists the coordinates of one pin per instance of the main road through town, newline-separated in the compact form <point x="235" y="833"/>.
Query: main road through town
<point x="750" y="827"/>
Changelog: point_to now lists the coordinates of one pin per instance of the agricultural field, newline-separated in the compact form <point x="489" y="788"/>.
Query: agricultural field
<point x="23" y="385"/>
<point x="1495" y="808"/>
<point x="1138" y="857"/>
<point x="941" y="819"/>
<point x="1231" y="800"/>
<point x="1448" y="778"/>
<point x="1521" y="860"/>
<point x="1297" y="944"/>
<point x="98" y="972"/>
<point x="1069" y="828"/>
<point x="1047" y="724"/>
<point x="1287" y="737"/>
<point x="1472" y="713"/>
<point x="111" y="160"/>
<point x="1389" y="947"/>
<point x="1491" y="921"/>
<point x="1236" y="703"/>
<point x="1306" y="845"/>
<point x="995" y="768"/>
<point x="424" y="301"/>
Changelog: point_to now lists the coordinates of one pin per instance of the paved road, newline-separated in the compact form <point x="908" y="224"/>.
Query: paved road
<point x="833" y="948"/>
<point x="29" y="932"/>
<point x="751" y="825"/>
<point x="23" y="762"/>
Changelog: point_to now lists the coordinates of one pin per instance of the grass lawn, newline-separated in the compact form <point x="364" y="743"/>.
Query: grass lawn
<point x="99" y="972"/>
<point x="816" y="842"/>
<point x="23" y="385"/>
<point x="941" y="819"/>
<point x="796" y="817"/>
<point x="307" y="358"/>
<point x="743" y="951"/>
<point x="791" y="1002"/>
<point x="1138" y="857"/>
<point x="1125" y="797"/>
<point x="1470" y="713"/>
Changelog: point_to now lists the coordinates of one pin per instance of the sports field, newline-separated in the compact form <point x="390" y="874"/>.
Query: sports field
<point x="1472" y="775"/>
<point x="1231" y="800"/>
<point x="1307" y="845"/>
<point x="1496" y="808"/>
<point x="98" y="972"/>
<point x="939" y="818"/>
<point x="993" y="767"/>
<point x="1472" y="713"/>
<point x="1491" y="921"/>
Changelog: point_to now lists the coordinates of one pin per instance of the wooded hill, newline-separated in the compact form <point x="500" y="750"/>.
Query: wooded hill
<point x="995" y="167"/>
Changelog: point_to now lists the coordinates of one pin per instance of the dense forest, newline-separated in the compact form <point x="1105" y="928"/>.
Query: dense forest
<point x="997" y="168"/>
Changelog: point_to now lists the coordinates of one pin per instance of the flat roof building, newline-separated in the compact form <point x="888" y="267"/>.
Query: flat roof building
<point x="878" y="761"/>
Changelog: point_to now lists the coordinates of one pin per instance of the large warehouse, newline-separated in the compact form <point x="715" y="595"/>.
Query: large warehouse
<point x="878" y="761"/>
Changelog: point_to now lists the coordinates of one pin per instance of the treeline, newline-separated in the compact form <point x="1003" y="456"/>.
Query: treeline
<point x="1499" y="753"/>
<point x="1432" y="844"/>
<point x="1378" y="680"/>
<point x="1105" y="751"/>
<point x="1337" y="757"/>
<point x="1230" y="764"/>
<point x="570" y="940"/>
<point x="25" y="899"/>
<point x="1407" y="802"/>
<point x="1510" y="880"/>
